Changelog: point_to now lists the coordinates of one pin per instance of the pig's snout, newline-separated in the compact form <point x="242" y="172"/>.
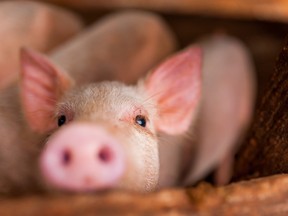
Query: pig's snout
<point x="82" y="157"/>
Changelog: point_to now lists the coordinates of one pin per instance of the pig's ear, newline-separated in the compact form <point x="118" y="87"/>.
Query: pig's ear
<point x="175" y="86"/>
<point x="41" y="85"/>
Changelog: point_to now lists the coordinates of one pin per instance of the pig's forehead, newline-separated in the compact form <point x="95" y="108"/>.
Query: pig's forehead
<point x="107" y="97"/>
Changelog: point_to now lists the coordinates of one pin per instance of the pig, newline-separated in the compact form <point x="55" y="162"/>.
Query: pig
<point x="227" y="107"/>
<point x="157" y="133"/>
<point x="115" y="124"/>
<point x="133" y="51"/>
<point x="37" y="25"/>
<point x="19" y="147"/>
<point x="101" y="51"/>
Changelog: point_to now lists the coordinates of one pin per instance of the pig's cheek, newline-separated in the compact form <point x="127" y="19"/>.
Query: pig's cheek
<point x="152" y="169"/>
<point x="142" y="170"/>
<point x="150" y="158"/>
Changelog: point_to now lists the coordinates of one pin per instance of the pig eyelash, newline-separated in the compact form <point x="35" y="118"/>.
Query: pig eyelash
<point x="51" y="100"/>
<point x="149" y="99"/>
<point x="137" y="116"/>
<point x="140" y="119"/>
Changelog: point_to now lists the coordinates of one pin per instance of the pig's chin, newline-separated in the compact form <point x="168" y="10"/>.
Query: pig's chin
<point x="141" y="173"/>
<point x="87" y="184"/>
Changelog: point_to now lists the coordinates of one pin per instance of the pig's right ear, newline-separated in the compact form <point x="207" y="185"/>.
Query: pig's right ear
<point x="41" y="86"/>
<point x="175" y="86"/>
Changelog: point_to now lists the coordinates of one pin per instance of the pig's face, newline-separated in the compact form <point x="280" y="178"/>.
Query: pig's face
<point x="127" y="114"/>
<point x="108" y="131"/>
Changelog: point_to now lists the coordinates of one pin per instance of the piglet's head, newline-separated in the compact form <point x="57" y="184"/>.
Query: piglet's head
<point x="105" y="134"/>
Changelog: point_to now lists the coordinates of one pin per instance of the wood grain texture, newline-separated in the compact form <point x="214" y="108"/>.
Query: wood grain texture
<point x="276" y="10"/>
<point x="266" y="196"/>
<point x="265" y="151"/>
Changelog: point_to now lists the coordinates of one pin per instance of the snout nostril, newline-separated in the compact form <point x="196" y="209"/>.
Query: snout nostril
<point x="66" y="157"/>
<point x="105" y="155"/>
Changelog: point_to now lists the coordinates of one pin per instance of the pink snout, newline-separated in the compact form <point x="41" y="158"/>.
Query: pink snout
<point x="82" y="157"/>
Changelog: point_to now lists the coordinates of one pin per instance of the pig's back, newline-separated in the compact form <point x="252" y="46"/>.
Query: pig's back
<point x="16" y="164"/>
<point x="227" y="102"/>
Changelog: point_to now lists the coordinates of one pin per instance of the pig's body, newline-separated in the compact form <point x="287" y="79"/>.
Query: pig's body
<point x="18" y="155"/>
<point x="224" y="114"/>
<point x="116" y="48"/>
<point x="39" y="26"/>
<point x="20" y="145"/>
<point x="226" y="108"/>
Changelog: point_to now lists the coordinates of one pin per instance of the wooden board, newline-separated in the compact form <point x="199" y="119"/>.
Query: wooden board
<point x="276" y="10"/>
<point x="267" y="196"/>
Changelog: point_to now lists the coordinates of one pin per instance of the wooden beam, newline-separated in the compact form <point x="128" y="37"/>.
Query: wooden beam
<point x="273" y="10"/>
<point x="266" y="196"/>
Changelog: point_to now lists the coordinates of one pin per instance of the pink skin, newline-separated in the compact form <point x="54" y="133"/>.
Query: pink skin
<point x="226" y="107"/>
<point x="191" y="124"/>
<point x="82" y="157"/>
<point x="112" y="112"/>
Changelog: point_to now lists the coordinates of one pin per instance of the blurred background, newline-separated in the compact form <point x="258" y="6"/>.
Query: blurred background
<point x="260" y="24"/>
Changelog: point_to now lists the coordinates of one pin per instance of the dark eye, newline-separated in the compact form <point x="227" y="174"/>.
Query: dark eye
<point x="140" y="120"/>
<point x="61" y="120"/>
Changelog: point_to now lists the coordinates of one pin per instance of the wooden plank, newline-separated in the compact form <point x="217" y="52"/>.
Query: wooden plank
<point x="267" y="196"/>
<point x="274" y="10"/>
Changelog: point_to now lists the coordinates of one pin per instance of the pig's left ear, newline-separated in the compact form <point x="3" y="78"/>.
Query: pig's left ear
<point x="41" y="86"/>
<point x="175" y="86"/>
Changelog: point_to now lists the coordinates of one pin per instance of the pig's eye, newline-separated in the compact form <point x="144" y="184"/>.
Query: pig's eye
<point x="140" y="120"/>
<point x="61" y="120"/>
